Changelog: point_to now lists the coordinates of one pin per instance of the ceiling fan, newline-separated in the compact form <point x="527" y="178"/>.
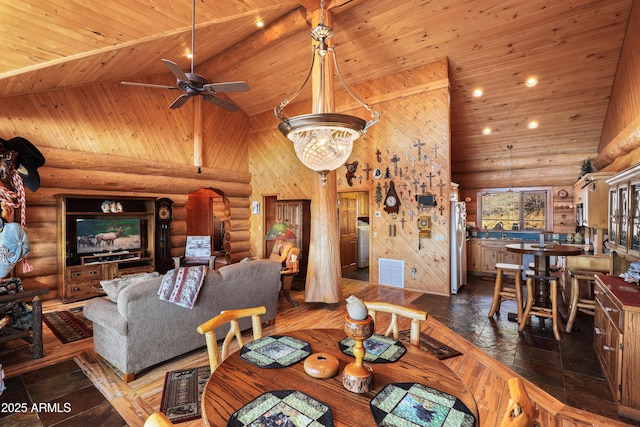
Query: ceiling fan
<point x="194" y="84"/>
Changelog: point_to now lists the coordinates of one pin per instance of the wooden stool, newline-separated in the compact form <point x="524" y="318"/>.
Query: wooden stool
<point x="542" y="312"/>
<point x="504" y="293"/>
<point x="585" y="305"/>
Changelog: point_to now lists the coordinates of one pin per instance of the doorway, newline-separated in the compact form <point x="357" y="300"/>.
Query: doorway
<point x="353" y="220"/>
<point x="206" y="215"/>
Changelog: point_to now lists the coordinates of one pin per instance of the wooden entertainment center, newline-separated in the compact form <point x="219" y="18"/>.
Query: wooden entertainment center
<point x="85" y="260"/>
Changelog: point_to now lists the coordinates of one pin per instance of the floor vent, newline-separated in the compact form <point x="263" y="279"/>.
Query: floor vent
<point x="391" y="272"/>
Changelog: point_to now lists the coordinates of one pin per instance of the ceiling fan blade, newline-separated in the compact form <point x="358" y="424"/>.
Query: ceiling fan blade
<point x="229" y="106"/>
<point x="226" y="87"/>
<point x="176" y="70"/>
<point x="179" y="102"/>
<point x="149" y="85"/>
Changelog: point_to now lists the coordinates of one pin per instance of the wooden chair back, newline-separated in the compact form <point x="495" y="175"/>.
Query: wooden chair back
<point x="520" y="410"/>
<point x="416" y="316"/>
<point x="229" y="317"/>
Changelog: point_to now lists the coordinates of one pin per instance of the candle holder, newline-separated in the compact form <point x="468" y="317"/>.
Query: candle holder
<point x="358" y="377"/>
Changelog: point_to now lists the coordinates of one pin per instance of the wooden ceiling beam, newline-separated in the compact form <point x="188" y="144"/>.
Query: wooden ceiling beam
<point x="291" y="23"/>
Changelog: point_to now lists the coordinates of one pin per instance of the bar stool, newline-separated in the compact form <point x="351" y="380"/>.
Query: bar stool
<point x="542" y="312"/>
<point x="501" y="292"/>
<point x="584" y="305"/>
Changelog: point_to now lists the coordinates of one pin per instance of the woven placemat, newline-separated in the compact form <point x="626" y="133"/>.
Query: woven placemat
<point x="275" y="351"/>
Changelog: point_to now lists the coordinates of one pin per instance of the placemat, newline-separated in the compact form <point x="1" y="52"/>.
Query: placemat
<point x="379" y="349"/>
<point x="413" y="404"/>
<point x="275" y="351"/>
<point x="283" y="408"/>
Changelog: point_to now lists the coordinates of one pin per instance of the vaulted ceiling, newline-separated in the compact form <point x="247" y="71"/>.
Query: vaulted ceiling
<point x="572" y="47"/>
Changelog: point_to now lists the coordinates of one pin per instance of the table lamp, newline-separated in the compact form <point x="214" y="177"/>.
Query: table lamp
<point x="280" y="231"/>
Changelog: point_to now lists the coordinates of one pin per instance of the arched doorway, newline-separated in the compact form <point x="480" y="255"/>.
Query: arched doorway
<point x="206" y="213"/>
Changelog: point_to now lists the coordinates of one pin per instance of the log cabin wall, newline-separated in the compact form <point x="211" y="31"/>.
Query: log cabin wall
<point x="108" y="140"/>
<point x="414" y="107"/>
<point x="620" y="142"/>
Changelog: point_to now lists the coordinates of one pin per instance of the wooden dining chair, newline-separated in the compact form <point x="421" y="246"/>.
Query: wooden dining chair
<point x="520" y="410"/>
<point x="158" y="419"/>
<point x="416" y="317"/>
<point x="229" y="317"/>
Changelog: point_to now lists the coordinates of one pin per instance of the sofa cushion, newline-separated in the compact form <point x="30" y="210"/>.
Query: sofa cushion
<point x="113" y="287"/>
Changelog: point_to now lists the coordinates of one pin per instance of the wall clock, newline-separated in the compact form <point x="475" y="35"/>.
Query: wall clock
<point x="392" y="201"/>
<point x="563" y="193"/>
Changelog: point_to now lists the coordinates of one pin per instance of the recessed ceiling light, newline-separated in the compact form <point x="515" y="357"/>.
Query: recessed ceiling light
<point x="260" y="23"/>
<point x="532" y="124"/>
<point x="486" y="131"/>
<point x="531" y="81"/>
<point x="477" y="92"/>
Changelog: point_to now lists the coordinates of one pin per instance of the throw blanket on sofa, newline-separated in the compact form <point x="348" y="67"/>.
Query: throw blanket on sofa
<point x="182" y="285"/>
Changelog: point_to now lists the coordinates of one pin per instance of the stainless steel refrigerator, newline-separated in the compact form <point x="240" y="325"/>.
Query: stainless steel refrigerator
<point x="458" y="246"/>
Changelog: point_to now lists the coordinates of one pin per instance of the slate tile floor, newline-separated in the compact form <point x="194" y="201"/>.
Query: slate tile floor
<point x="63" y="397"/>
<point x="568" y="370"/>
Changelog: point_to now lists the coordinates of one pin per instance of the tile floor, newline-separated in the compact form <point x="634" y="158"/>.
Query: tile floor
<point x="567" y="369"/>
<point x="60" y="395"/>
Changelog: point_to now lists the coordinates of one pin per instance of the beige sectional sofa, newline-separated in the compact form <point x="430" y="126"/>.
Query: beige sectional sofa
<point x="140" y="330"/>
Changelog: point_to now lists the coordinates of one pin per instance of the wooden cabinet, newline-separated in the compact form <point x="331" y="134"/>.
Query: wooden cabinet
<point x="473" y="256"/>
<point x="484" y="254"/>
<point x="616" y="328"/>
<point x="624" y="211"/>
<point x="591" y="191"/>
<point x="494" y="251"/>
<point x="297" y="213"/>
<point x="362" y="204"/>
<point x="97" y="242"/>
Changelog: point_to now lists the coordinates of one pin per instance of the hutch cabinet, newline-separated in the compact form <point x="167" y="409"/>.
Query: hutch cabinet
<point x="624" y="212"/>
<point x="102" y="238"/>
<point x="297" y="213"/>
<point x="616" y="329"/>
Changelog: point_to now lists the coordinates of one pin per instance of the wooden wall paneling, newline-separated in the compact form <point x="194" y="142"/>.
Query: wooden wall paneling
<point x="623" y="114"/>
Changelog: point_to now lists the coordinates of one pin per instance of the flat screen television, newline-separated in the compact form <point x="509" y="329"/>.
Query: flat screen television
<point x="97" y="235"/>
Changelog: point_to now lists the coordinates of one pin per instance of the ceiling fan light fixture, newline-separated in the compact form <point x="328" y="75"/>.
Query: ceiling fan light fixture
<point x="323" y="140"/>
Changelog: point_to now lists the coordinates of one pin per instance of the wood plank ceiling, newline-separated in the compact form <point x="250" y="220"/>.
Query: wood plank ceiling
<point x="571" y="46"/>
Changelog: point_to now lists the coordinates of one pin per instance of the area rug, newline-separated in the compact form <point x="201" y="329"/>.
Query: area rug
<point x="68" y="325"/>
<point x="431" y="345"/>
<point x="182" y="393"/>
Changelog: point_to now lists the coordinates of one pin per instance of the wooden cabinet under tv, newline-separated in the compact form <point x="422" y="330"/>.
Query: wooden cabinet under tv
<point x="85" y="258"/>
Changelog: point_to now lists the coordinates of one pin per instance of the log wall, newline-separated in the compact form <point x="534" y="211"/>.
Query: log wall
<point x="107" y="140"/>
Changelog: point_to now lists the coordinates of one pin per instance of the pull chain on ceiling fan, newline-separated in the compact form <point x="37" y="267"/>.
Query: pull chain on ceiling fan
<point x="194" y="84"/>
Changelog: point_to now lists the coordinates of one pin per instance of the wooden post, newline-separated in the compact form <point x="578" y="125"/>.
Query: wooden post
<point x="324" y="278"/>
<point x="36" y="308"/>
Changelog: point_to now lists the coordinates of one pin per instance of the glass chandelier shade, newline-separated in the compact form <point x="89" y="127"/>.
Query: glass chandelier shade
<point x="323" y="141"/>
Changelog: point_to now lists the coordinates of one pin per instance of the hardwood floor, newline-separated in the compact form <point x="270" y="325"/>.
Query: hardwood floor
<point x="484" y="375"/>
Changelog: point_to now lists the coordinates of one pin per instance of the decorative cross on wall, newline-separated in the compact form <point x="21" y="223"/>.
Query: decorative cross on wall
<point x="378" y="158"/>
<point x="442" y="184"/>
<point x="395" y="159"/>
<point x="430" y="176"/>
<point x="367" y="170"/>
<point x="419" y="145"/>
<point x="435" y="150"/>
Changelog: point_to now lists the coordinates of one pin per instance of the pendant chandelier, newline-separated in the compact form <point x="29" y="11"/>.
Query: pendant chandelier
<point x="324" y="139"/>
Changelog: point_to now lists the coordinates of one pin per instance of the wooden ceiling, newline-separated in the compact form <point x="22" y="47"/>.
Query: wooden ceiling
<point x="571" y="46"/>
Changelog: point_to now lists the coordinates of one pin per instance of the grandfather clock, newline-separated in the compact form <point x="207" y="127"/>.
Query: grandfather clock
<point x="164" y="216"/>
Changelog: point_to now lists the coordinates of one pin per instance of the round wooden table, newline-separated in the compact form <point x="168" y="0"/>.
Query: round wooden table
<point x="541" y="260"/>
<point x="237" y="382"/>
